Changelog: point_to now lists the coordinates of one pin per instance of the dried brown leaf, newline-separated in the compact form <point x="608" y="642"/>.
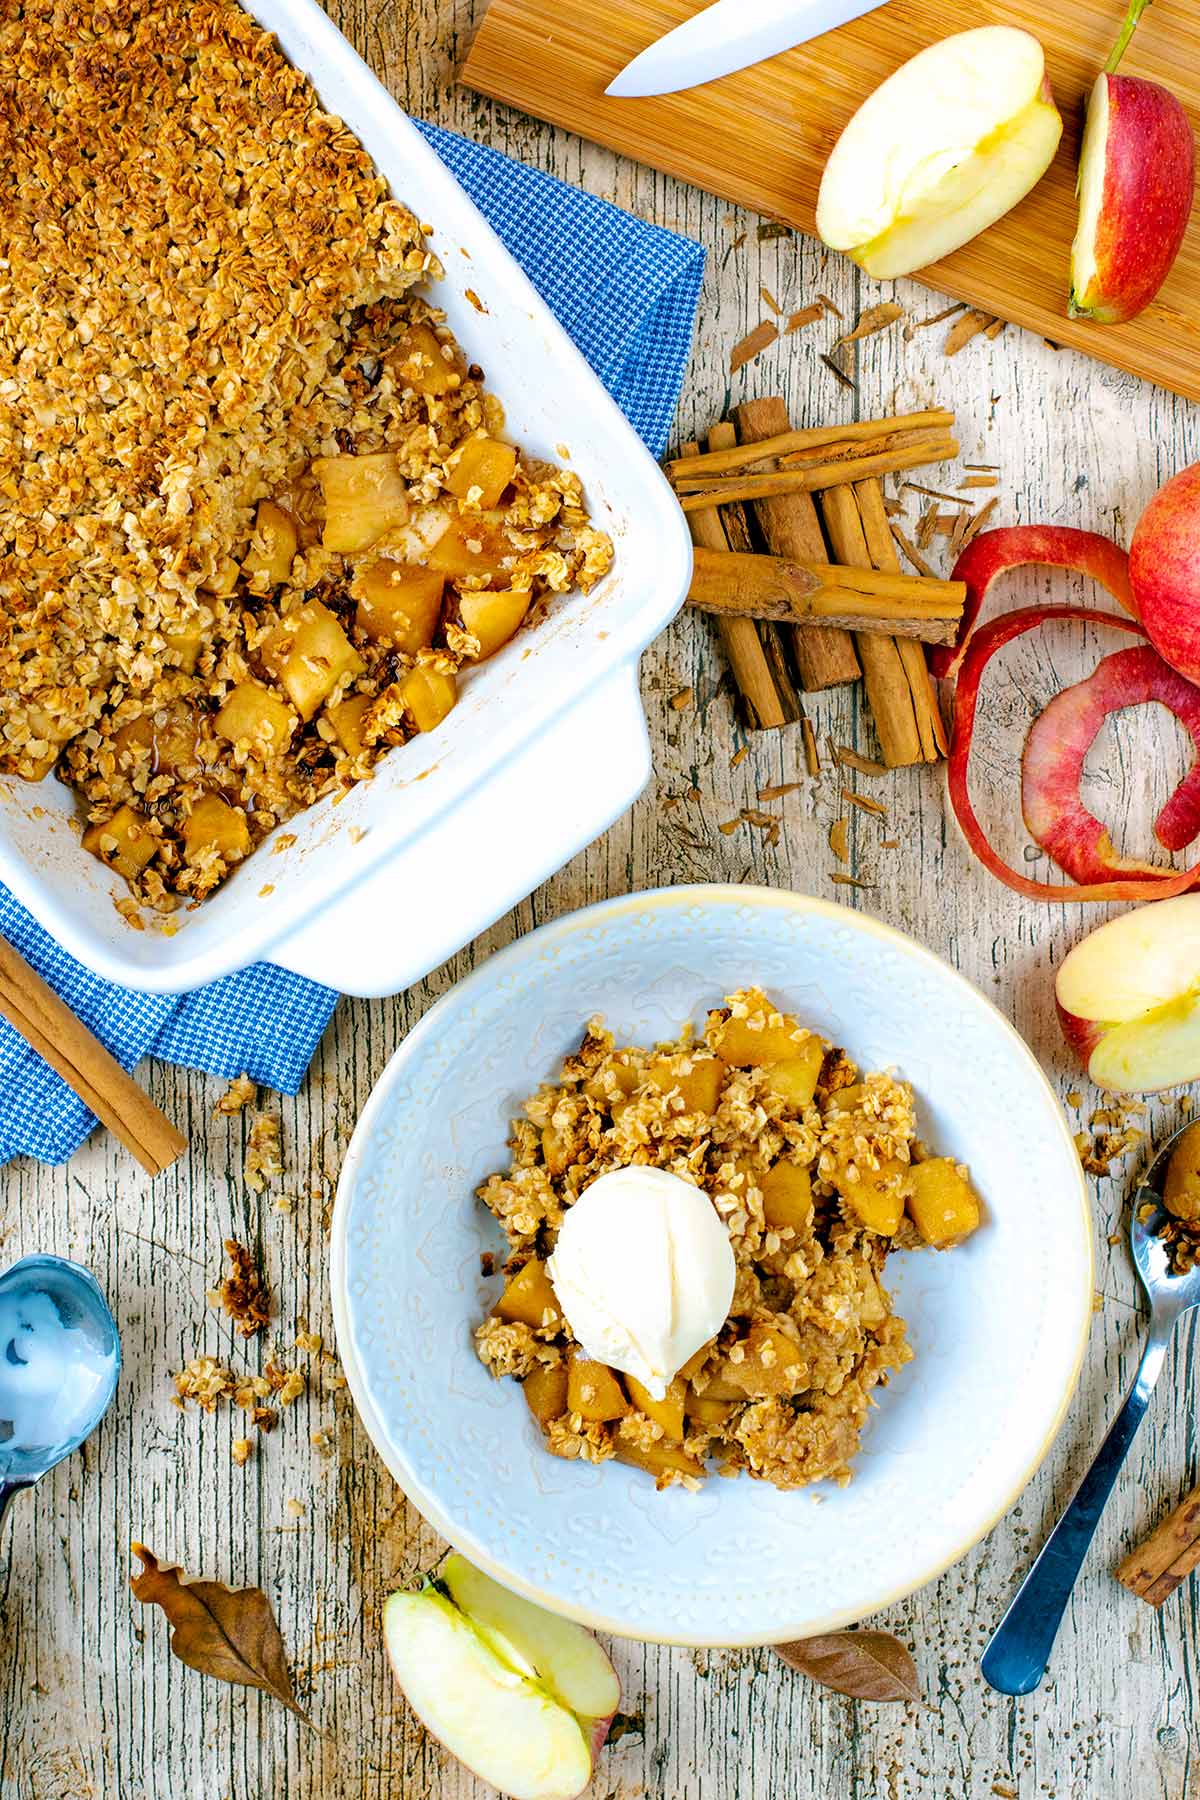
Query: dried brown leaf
<point x="866" y="1665"/>
<point x="875" y="318"/>
<point x="839" y="839"/>
<point x="769" y="301"/>
<point x="864" y="803"/>
<point x="226" y="1632"/>
<point x="964" y="329"/>
<point x="853" y="759"/>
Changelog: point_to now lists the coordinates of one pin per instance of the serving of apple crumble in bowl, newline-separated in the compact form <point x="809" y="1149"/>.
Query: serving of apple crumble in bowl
<point x="293" y="455"/>
<point x="830" y="1237"/>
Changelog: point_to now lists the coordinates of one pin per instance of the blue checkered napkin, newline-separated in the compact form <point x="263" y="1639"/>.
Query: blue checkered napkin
<point x="627" y="293"/>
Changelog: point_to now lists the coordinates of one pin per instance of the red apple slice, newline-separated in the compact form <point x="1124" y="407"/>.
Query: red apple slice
<point x="940" y="150"/>
<point x="1164" y="571"/>
<point x="1057" y="746"/>
<point x="1136" y="183"/>
<point x="1129" y="998"/>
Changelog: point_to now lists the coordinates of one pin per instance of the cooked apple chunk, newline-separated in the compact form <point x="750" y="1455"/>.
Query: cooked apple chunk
<point x="273" y="546"/>
<point x="787" y="1197"/>
<point x="660" y="1459"/>
<point x="309" y="654"/>
<point x="667" y="1412"/>
<point x="429" y="695"/>
<point x="398" y="604"/>
<point x="753" y="1040"/>
<point x="943" y="1204"/>
<point x="472" y="547"/>
<point x="593" y="1391"/>
<point x="697" y="1080"/>
<point x="252" y="714"/>
<point x="213" y="824"/>
<point x="347" y="721"/>
<point x="794" y="1080"/>
<point x="481" y="471"/>
<point x="493" y="615"/>
<point x="529" y="1298"/>
<point x="877" y="1196"/>
<point x="168" y="736"/>
<point x="545" y="1391"/>
<point x="364" y="497"/>
<point x="125" y="842"/>
<point x="183" y="648"/>
<point x="422" y="361"/>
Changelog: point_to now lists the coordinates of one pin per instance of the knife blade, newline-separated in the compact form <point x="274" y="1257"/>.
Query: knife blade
<point x="729" y="35"/>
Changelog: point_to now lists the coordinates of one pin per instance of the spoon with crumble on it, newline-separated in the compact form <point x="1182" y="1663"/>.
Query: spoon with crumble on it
<point x="1164" y="1236"/>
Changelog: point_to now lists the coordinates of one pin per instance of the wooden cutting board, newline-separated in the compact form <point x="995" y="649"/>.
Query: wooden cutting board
<point x="761" y="137"/>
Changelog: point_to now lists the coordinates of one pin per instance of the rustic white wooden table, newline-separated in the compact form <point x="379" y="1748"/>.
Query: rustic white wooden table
<point x="91" y="1704"/>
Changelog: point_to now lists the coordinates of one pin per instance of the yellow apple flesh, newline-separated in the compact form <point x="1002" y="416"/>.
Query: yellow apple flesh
<point x="1129" y="998"/>
<point x="942" y="149"/>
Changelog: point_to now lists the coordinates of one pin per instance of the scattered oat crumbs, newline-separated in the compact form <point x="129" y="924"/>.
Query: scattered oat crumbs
<point x="769" y="301"/>
<point x="805" y="315"/>
<point x="1074" y="1098"/>
<point x="243" y="1293"/>
<point x="283" y="842"/>
<point x="1097" y="1302"/>
<point x="356" y="834"/>
<point x="241" y="1451"/>
<point x="779" y="790"/>
<point x="264" y="1160"/>
<point x="850" y="758"/>
<point x="683" y="699"/>
<point x="729" y="826"/>
<point x="812" y="758"/>
<point x="1004" y="1792"/>
<point x="267" y="888"/>
<point x="739" y="756"/>
<point x="752" y="345"/>
<point x="295" y="1508"/>
<point x="864" y="803"/>
<point x="237" y="1096"/>
<point x="487" y="1264"/>
<point x="321" y="1441"/>
<point x="205" y="1381"/>
<point x="873" y="319"/>
<point x="476" y="302"/>
<point x="310" y="1342"/>
<point x="839" y="833"/>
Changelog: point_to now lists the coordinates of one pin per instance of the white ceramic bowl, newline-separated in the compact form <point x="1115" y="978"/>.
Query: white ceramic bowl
<point x="998" y="1325"/>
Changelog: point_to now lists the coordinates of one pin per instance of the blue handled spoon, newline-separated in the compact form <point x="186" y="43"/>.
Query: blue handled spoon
<point x="1015" y="1660"/>
<point x="59" y="1361"/>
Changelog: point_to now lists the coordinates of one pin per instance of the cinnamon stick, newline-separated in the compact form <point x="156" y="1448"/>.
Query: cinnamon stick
<point x="862" y="599"/>
<point x="790" y="528"/>
<point x="782" y="441"/>
<point x="697" y="491"/>
<point x="740" y="639"/>
<point x="882" y="551"/>
<point x="50" y="1027"/>
<point x="1167" y="1557"/>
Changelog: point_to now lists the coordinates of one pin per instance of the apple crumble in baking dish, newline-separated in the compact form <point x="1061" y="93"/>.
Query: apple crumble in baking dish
<point x="257" y="509"/>
<point x="815" y="1172"/>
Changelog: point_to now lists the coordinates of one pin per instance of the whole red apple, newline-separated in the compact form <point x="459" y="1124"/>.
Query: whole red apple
<point x="1164" y="571"/>
<point x="1136" y="182"/>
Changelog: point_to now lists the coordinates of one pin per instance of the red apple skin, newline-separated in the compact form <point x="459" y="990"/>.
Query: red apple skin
<point x="1149" y="181"/>
<point x="1082" y="1035"/>
<point x="1164" y="571"/>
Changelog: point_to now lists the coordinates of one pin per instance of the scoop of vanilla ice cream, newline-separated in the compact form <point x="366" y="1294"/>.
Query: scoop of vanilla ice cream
<point x="644" y="1271"/>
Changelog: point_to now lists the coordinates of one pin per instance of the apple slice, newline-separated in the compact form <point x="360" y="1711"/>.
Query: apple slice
<point x="522" y="1698"/>
<point x="564" y="1658"/>
<point x="945" y="146"/>
<point x="1136" y="181"/>
<point x="1129" y="998"/>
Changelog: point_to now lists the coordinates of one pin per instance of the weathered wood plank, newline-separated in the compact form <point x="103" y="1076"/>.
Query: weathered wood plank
<point x="90" y="1702"/>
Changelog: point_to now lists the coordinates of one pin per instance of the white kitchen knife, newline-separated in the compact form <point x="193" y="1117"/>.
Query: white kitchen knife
<point x="728" y="35"/>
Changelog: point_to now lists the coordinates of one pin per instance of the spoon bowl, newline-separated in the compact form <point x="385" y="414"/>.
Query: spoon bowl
<point x="60" y="1357"/>
<point x="1168" y="1294"/>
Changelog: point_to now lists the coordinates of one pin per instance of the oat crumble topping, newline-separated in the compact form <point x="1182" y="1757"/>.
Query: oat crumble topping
<point x="817" y="1173"/>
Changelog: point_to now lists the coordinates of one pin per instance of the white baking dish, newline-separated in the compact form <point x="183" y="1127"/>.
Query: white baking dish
<point x="548" y="743"/>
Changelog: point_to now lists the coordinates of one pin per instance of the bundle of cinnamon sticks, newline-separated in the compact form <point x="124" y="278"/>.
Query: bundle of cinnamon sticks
<point x="795" y="556"/>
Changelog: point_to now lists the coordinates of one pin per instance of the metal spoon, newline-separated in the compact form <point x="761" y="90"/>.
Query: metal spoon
<point x="59" y="1361"/>
<point x="1015" y="1660"/>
